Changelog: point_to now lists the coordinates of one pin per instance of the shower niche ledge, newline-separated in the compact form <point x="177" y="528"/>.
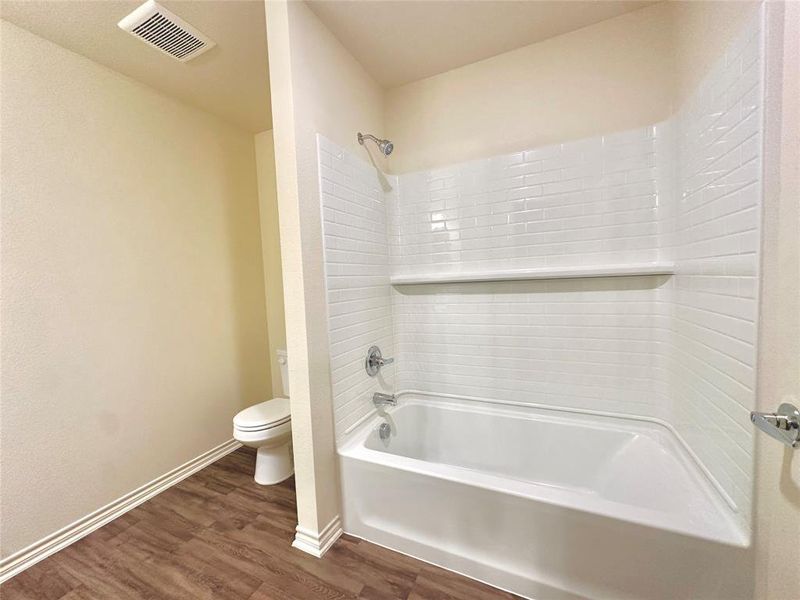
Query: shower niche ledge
<point x="561" y="272"/>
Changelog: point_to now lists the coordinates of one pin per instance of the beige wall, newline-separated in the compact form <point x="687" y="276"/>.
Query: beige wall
<point x="317" y="86"/>
<point x="611" y="76"/>
<point x="271" y="252"/>
<point x="623" y="73"/>
<point x="133" y="323"/>
<point x="777" y="492"/>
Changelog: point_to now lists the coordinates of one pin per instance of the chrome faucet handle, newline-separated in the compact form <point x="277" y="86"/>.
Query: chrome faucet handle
<point x="375" y="361"/>
<point x="783" y="425"/>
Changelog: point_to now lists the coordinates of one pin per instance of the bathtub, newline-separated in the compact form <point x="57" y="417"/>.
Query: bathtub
<point x="548" y="504"/>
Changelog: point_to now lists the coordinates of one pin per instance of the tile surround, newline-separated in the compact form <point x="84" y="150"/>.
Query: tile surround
<point x="714" y="305"/>
<point x="584" y="202"/>
<point x="595" y="344"/>
<point x="680" y="348"/>
<point x="357" y="278"/>
<point x="586" y="343"/>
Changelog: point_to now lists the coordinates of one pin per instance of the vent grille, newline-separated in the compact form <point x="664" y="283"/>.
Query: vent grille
<point x="165" y="31"/>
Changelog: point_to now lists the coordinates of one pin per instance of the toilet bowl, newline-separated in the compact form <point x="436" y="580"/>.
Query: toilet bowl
<point x="267" y="426"/>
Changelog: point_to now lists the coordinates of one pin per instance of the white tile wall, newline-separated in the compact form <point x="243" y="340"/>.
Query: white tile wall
<point x="680" y="348"/>
<point x="582" y="202"/>
<point x="717" y="232"/>
<point x="357" y="279"/>
<point x="594" y="344"/>
<point x="590" y="343"/>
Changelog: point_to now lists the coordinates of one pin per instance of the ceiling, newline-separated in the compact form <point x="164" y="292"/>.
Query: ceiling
<point x="399" y="41"/>
<point x="231" y="80"/>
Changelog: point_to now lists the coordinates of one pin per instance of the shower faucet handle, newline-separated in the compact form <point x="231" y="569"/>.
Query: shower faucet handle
<point x="375" y="361"/>
<point x="783" y="425"/>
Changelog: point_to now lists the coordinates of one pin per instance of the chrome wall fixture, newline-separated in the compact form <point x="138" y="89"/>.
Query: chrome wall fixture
<point x="375" y="361"/>
<point x="379" y="399"/>
<point x="783" y="425"/>
<point x="385" y="146"/>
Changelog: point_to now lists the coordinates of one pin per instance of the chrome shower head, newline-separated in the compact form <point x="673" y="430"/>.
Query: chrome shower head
<point x="385" y="146"/>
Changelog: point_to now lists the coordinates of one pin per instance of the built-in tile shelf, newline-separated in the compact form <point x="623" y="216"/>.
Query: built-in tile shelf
<point x="577" y="272"/>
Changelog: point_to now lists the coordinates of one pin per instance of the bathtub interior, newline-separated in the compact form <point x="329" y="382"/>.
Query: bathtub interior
<point x="630" y="469"/>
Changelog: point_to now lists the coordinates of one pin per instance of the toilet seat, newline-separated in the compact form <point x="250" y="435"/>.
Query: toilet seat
<point x="262" y="416"/>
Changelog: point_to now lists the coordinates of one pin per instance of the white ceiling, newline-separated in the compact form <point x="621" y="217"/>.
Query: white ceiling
<point x="399" y="41"/>
<point x="231" y="80"/>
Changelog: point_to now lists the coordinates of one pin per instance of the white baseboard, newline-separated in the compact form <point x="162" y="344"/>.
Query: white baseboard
<point x="318" y="544"/>
<point x="27" y="557"/>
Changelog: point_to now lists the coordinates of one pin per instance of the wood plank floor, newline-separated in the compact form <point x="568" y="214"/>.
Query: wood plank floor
<point x="218" y="534"/>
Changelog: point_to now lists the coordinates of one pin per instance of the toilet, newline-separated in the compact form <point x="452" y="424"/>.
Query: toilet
<point x="267" y="426"/>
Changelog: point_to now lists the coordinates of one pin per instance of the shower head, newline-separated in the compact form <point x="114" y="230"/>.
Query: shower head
<point x="385" y="146"/>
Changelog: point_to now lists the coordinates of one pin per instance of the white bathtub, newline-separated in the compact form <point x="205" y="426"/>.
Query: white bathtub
<point x="547" y="504"/>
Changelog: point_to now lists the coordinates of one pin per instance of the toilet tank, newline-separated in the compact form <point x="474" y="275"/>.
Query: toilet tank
<point x="284" y="365"/>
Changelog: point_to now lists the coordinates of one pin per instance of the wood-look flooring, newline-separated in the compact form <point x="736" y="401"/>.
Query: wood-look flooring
<point x="217" y="534"/>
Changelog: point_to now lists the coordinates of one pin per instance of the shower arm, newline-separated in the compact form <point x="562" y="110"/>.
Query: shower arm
<point x="367" y="136"/>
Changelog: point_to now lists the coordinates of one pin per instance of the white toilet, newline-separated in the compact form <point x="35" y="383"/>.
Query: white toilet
<point x="268" y="427"/>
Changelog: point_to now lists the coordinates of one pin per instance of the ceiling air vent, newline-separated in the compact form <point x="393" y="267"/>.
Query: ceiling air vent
<point x="162" y="29"/>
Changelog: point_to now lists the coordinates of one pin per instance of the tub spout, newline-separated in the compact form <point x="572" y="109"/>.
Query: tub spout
<point x="379" y="399"/>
